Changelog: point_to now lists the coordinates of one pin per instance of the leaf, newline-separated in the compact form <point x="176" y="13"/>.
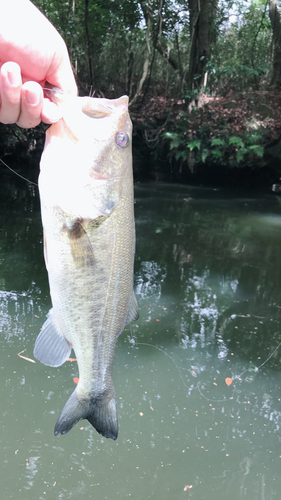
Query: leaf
<point x="254" y="138"/>
<point x="180" y="154"/>
<point x="194" y="144"/>
<point x="175" y="143"/>
<point x="175" y="139"/>
<point x="259" y="150"/>
<point x="170" y="135"/>
<point x="228" y="381"/>
<point x="204" y="155"/>
<point x="240" y="154"/>
<point x="217" y="154"/>
<point x="217" y="142"/>
<point x="236" y="140"/>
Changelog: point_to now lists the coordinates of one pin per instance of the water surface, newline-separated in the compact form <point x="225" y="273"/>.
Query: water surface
<point x="207" y="279"/>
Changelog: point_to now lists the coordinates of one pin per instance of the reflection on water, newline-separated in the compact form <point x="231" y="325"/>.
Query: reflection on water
<point x="207" y="278"/>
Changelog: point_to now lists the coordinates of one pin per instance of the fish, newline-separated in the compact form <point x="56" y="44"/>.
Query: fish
<point x="87" y="210"/>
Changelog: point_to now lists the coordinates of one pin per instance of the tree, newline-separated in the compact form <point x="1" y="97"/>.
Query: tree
<point x="202" y="15"/>
<point x="276" y="30"/>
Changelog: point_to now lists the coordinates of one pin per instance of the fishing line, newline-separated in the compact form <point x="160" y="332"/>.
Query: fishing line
<point x="211" y="399"/>
<point x="239" y="377"/>
<point x="258" y="367"/>
<point x="198" y="384"/>
<point x="21" y="176"/>
<point x="159" y="349"/>
<point x="55" y="89"/>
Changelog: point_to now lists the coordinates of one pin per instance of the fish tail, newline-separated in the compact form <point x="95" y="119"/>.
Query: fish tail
<point x="100" y="411"/>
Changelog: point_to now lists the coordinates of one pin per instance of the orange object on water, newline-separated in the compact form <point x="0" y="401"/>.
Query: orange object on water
<point x="228" y="381"/>
<point x="76" y="380"/>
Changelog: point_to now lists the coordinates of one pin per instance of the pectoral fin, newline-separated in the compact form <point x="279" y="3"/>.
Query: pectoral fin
<point x="51" y="347"/>
<point x="80" y="245"/>
<point x="45" y="249"/>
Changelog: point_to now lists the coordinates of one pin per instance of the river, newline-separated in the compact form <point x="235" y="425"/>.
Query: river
<point x="197" y="377"/>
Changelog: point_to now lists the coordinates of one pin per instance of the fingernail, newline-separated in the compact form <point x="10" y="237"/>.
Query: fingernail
<point x="51" y="112"/>
<point x="14" y="77"/>
<point x="32" y="97"/>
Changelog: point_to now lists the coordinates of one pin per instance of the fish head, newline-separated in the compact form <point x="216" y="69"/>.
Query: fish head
<point x="87" y="155"/>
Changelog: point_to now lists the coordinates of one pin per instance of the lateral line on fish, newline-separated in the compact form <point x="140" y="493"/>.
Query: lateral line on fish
<point x="110" y="278"/>
<point x="21" y="176"/>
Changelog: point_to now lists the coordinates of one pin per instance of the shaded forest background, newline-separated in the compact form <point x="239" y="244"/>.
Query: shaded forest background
<point x="203" y="77"/>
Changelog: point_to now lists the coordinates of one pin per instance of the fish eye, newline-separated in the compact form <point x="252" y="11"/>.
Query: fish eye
<point x="122" y="139"/>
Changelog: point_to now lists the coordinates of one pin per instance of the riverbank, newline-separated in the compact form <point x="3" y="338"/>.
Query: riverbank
<point x="228" y="140"/>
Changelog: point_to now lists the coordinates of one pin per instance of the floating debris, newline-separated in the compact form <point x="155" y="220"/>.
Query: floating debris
<point x="24" y="357"/>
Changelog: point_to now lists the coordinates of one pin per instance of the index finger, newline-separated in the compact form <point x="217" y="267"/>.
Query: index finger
<point x="60" y="73"/>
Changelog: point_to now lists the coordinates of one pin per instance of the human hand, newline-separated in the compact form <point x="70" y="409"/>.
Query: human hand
<point x="31" y="52"/>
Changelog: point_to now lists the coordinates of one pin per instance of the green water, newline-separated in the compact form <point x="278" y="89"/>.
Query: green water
<point x="207" y="278"/>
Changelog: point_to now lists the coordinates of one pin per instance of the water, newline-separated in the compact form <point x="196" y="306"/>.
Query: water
<point x="207" y="278"/>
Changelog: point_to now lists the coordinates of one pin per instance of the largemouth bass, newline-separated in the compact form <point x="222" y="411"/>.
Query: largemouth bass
<point x="86" y="193"/>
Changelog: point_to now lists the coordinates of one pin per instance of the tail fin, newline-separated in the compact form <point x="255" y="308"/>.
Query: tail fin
<point x="99" y="410"/>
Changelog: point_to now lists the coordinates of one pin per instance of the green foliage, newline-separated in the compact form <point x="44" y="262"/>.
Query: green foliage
<point x="221" y="149"/>
<point x="175" y="139"/>
<point x="242" y="54"/>
<point x="113" y="33"/>
<point x="109" y="42"/>
<point x="111" y="37"/>
<point x="237" y="141"/>
<point x="217" y="141"/>
<point x="196" y="143"/>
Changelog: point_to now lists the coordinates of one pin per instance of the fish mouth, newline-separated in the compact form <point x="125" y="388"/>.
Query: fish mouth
<point x="100" y="177"/>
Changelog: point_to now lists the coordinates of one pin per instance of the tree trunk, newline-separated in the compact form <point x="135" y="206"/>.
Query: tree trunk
<point x="147" y="58"/>
<point x="156" y="36"/>
<point x="202" y="15"/>
<point x="89" y="45"/>
<point x="276" y="30"/>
